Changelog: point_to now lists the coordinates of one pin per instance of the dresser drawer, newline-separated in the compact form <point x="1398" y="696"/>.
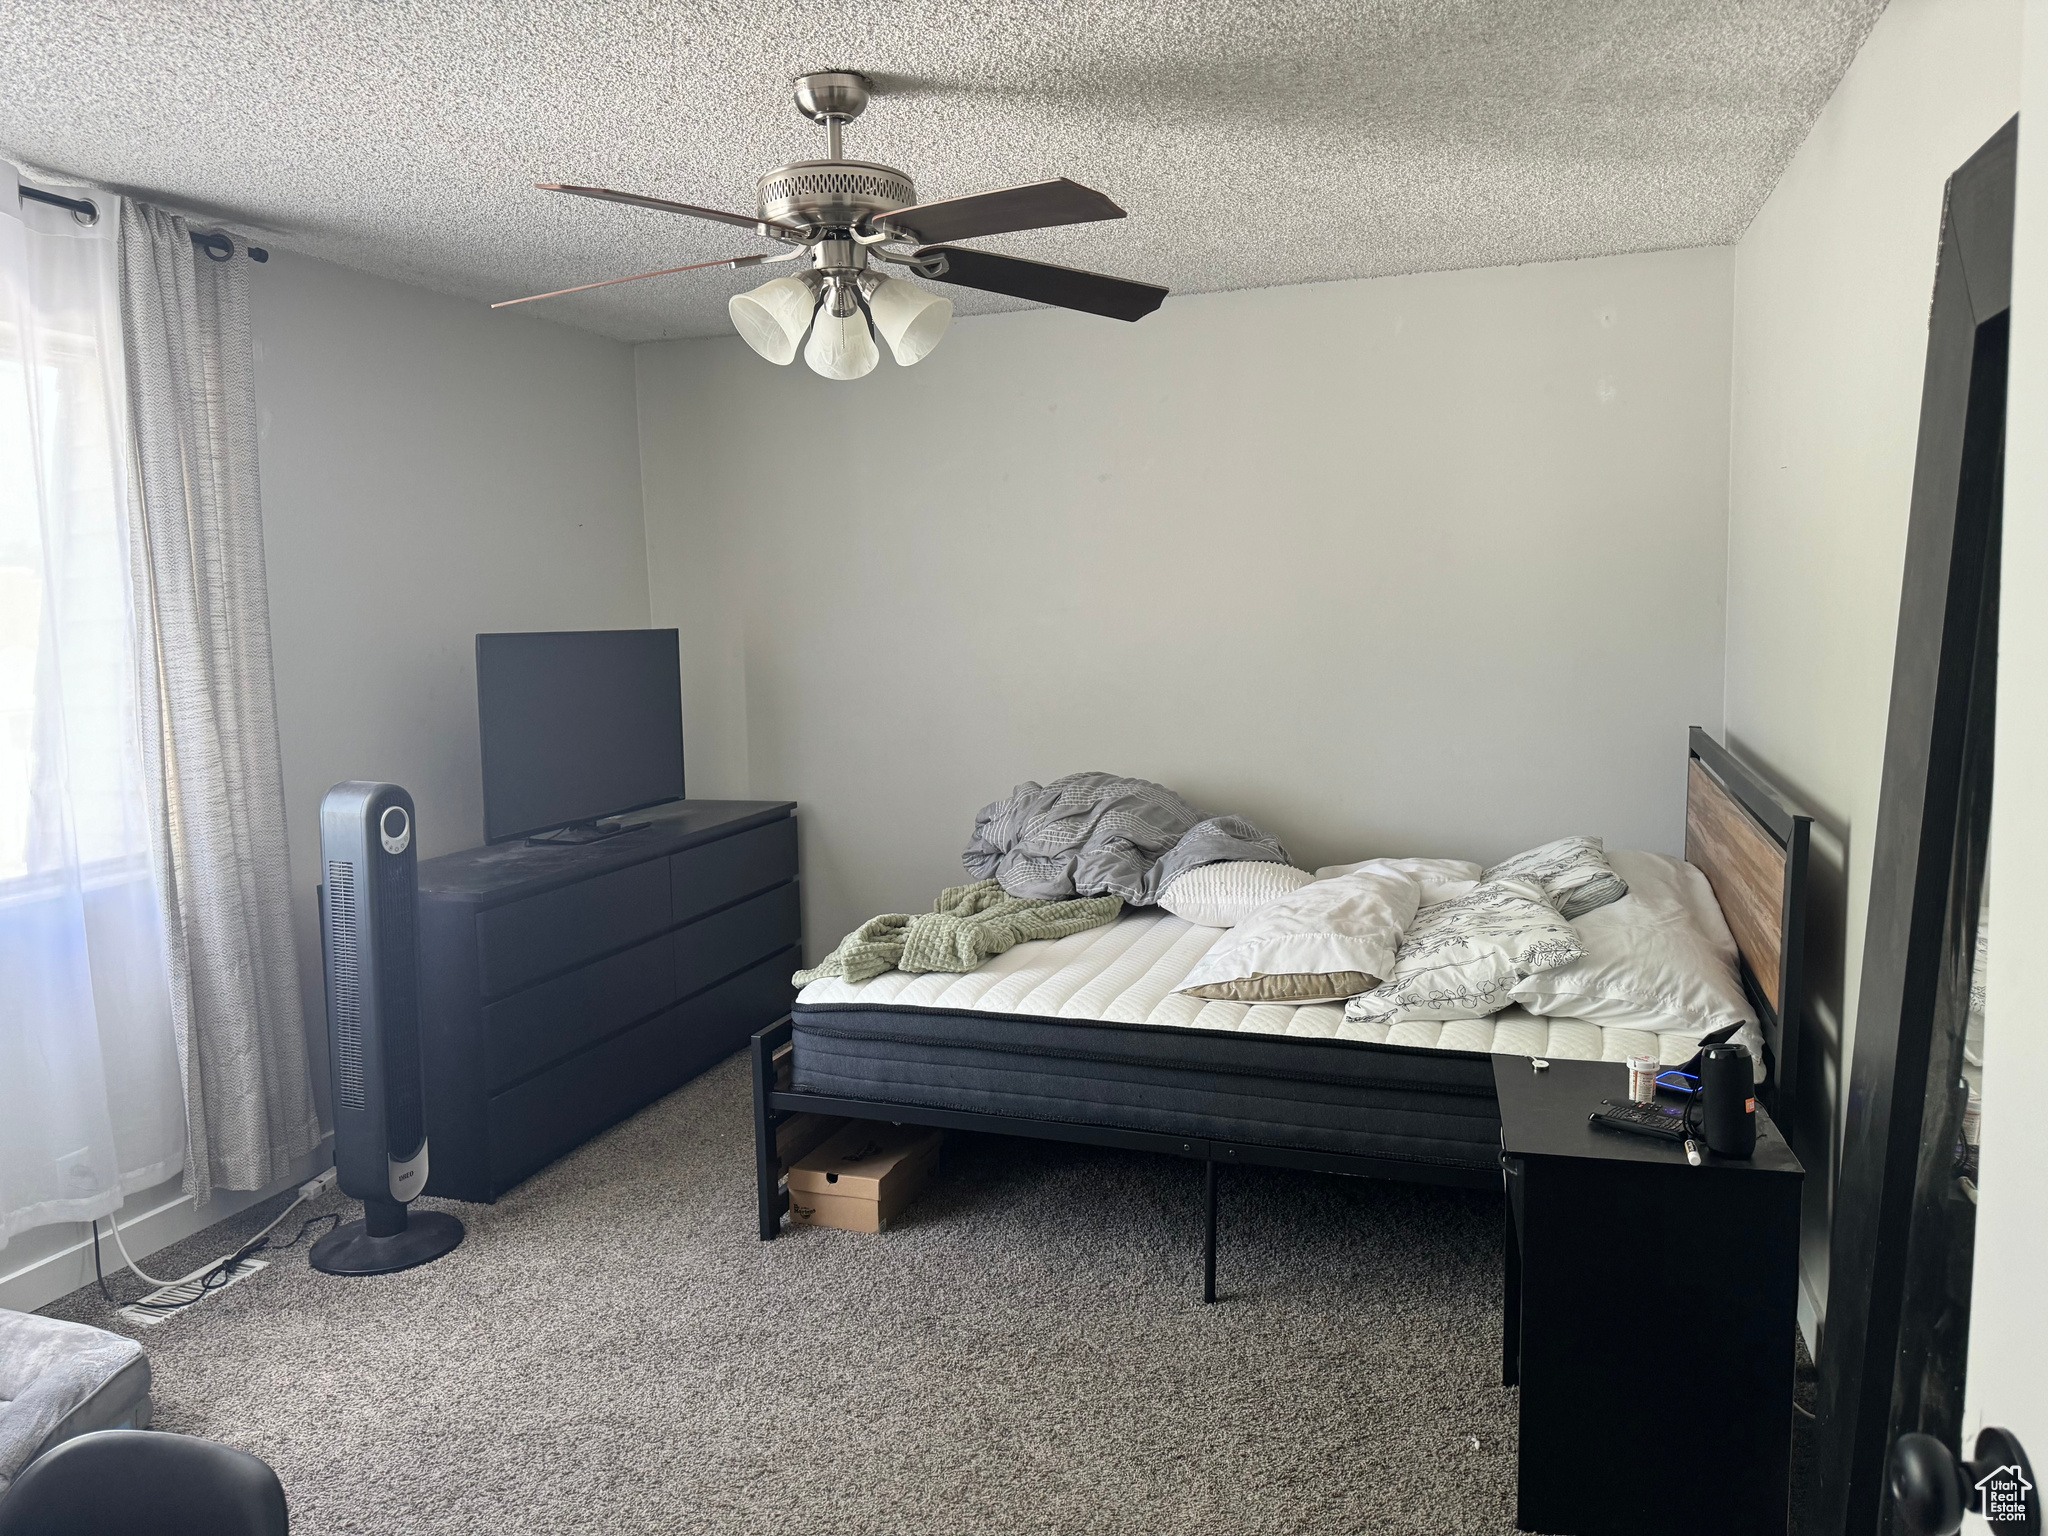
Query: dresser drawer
<point x="714" y="874"/>
<point x="559" y="1018"/>
<point x="713" y="947"/>
<point x="543" y="1117"/>
<point x="529" y="939"/>
<point x="719" y="1022"/>
<point x="538" y="1120"/>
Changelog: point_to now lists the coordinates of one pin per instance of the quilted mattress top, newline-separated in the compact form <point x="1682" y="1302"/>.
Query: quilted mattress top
<point x="1125" y="972"/>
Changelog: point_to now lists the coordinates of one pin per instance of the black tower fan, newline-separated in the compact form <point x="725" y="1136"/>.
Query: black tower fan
<point x="369" y="932"/>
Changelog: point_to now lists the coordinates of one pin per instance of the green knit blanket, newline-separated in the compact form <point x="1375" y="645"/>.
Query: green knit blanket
<point x="966" y="926"/>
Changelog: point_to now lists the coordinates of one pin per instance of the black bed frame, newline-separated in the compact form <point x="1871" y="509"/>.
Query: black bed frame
<point x="773" y="1104"/>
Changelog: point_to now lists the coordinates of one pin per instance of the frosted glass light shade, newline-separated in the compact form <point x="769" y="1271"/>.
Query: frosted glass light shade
<point x="911" y="319"/>
<point x="772" y="318"/>
<point x="841" y="346"/>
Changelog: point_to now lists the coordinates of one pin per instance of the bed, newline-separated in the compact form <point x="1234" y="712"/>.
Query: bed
<point x="1085" y="1039"/>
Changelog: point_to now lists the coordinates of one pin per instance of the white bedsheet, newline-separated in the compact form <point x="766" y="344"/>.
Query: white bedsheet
<point x="1125" y="972"/>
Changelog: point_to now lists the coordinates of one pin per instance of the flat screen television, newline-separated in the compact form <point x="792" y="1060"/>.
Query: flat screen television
<point x="577" y="726"/>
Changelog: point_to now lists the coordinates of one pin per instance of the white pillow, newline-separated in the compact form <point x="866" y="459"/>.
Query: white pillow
<point x="1440" y="879"/>
<point x="1463" y="957"/>
<point x="1574" y="871"/>
<point x="1660" y="959"/>
<point x="1224" y="895"/>
<point x="1329" y="939"/>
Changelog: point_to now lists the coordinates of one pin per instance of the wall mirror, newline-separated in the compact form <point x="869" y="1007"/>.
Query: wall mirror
<point x="1897" y="1325"/>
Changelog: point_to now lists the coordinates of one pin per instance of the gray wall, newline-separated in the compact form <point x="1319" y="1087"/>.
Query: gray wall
<point x="1832" y="284"/>
<point x="430" y="470"/>
<point x="1430" y="564"/>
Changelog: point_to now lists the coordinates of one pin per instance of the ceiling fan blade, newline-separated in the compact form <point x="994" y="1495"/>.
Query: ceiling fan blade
<point x="1042" y="283"/>
<point x="662" y="205"/>
<point x="729" y="261"/>
<point x="1040" y="205"/>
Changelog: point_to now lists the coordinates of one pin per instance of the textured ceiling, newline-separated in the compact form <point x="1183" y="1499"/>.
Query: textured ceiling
<point x="1285" y="141"/>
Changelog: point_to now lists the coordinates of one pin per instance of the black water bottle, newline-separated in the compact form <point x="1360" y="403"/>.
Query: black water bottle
<point x="1728" y="1099"/>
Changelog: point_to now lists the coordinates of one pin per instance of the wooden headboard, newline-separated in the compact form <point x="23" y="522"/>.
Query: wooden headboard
<point x="1751" y="843"/>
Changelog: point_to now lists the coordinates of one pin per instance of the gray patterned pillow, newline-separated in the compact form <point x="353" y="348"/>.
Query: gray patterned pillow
<point x="1461" y="959"/>
<point x="1574" y="873"/>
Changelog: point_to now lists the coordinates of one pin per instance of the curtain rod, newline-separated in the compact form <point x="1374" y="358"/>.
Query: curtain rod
<point x="76" y="205"/>
<point x="216" y="245"/>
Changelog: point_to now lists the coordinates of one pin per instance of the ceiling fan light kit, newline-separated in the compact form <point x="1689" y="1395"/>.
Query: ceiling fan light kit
<point x="910" y="319"/>
<point x="841" y="345"/>
<point x="842" y="216"/>
<point x="772" y="318"/>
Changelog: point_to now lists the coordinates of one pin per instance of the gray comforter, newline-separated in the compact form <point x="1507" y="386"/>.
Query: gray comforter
<point x="1095" y="834"/>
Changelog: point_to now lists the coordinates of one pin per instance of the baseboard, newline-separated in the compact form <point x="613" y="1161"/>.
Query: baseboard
<point x="44" y="1278"/>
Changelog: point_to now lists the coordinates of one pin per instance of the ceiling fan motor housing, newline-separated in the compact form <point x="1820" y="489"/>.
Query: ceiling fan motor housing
<point x="832" y="194"/>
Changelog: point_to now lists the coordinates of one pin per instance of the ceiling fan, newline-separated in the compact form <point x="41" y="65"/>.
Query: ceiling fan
<point x="842" y="217"/>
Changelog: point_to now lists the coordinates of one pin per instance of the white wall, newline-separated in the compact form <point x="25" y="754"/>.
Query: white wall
<point x="1832" y="286"/>
<point x="1427" y="564"/>
<point x="2008" y="1367"/>
<point x="430" y="470"/>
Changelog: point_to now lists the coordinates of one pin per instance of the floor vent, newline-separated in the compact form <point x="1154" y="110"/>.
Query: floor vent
<point x="160" y="1306"/>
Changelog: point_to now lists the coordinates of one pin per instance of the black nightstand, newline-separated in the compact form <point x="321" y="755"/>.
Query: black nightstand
<point x="1648" y="1316"/>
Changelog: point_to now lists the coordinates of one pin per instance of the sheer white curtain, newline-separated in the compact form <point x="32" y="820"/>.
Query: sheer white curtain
<point x="213" y="775"/>
<point x="91" y="1103"/>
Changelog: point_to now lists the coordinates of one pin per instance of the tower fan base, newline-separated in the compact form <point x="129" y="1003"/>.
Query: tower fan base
<point x="354" y="1250"/>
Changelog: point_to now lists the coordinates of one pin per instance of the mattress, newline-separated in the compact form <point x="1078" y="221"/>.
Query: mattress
<point x="1088" y="1030"/>
<point x="1125" y="972"/>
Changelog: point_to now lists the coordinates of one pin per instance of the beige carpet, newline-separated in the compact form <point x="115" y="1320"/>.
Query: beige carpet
<point x="614" y="1350"/>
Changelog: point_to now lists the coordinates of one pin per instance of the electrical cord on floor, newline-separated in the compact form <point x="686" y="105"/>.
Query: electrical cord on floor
<point x="115" y="1227"/>
<point x="217" y="1276"/>
<point x="98" y="1274"/>
<point x="261" y="1243"/>
<point x="304" y="1227"/>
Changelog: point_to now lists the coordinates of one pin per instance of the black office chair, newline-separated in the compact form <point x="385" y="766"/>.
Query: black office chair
<point x="124" y="1482"/>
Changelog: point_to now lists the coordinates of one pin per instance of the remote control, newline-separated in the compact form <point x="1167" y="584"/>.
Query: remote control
<point x="1642" y="1120"/>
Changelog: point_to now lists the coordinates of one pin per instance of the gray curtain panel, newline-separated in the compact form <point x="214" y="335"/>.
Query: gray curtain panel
<point x="208" y="713"/>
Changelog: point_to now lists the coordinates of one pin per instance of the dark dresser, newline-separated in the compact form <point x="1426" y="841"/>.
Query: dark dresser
<point x="562" y="988"/>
